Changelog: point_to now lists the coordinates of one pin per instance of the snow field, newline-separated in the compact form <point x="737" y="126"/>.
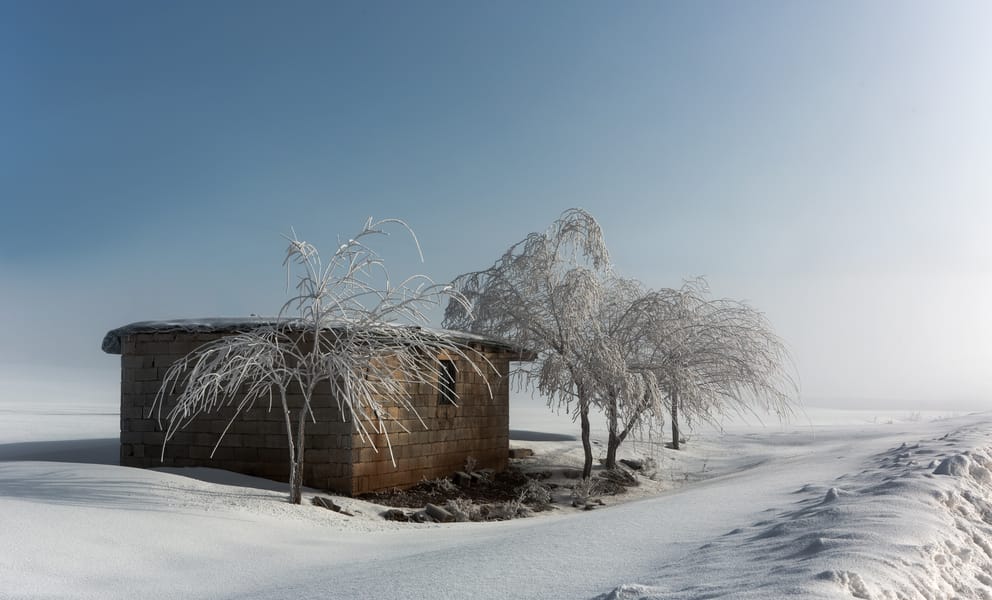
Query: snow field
<point x="837" y="505"/>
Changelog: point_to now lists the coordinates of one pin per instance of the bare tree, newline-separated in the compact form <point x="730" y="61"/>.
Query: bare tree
<point x="352" y="330"/>
<point x="602" y="340"/>
<point x="554" y="294"/>
<point x="543" y="295"/>
<point x="718" y="356"/>
<point x="626" y="389"/>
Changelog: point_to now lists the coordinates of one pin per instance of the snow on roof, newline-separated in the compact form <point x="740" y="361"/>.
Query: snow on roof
<point x="112" y="340"/>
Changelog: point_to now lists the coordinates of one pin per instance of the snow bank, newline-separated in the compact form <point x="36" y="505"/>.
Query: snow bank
<point x="914" y="521"/>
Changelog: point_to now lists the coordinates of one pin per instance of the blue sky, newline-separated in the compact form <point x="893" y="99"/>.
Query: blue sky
<point x="828" y="162"/>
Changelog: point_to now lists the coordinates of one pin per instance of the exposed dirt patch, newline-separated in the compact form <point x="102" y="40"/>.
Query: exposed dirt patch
<point x="501" y="487"/>
<point x="517" y="492"/>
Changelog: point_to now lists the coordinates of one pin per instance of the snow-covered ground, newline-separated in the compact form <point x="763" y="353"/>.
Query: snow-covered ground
<point x="866" y="504"/>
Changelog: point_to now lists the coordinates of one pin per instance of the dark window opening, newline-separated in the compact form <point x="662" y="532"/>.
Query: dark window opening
<point x="447" y="375"/>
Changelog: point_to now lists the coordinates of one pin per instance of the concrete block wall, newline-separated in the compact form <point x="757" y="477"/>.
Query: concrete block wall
<point x="337" y="457"/>
<point x="255" y="443"/>
<point x="477" y="427"/>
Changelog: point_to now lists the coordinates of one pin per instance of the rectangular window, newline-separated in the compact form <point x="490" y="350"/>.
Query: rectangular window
<point x="447" y="376"/>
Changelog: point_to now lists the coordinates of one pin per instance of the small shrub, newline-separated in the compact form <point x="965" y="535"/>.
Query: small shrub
<point x="464" y="510"/>
<point x="584" y="492"/>
<point x="470" y="464"/>
<point x="535" y="493"/>
<point x="621" y="477"/>
<point x="441" y="485"/>
<point x="649" y="467"/>
<point x="511" y="509"/>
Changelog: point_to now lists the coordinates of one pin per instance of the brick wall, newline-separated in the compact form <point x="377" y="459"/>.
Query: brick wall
<point x="337" y="458"/>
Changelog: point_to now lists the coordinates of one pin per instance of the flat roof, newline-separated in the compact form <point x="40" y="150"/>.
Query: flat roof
<point x="112" y="340"/>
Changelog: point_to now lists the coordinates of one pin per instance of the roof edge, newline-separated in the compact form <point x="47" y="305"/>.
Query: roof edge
<point x="111" y="343"/>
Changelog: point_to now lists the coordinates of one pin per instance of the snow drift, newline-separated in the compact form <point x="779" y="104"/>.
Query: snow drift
<point x="914" y="522"/>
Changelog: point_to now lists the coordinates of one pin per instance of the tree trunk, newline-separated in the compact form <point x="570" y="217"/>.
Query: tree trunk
<point x="614" y="441"/>
<point x="586" y="443"/>
<point x="290" y="441"/>
<point x="296" y="483"/>
<point x="675" y="419"/>
<point x="611" y="450"/>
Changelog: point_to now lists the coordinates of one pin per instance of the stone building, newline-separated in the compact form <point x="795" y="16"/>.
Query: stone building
<point x="337" y="458"/>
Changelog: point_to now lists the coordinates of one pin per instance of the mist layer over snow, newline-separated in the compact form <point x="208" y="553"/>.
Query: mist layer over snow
<point x="840" y="504"/>
<point x="40" y="404"/>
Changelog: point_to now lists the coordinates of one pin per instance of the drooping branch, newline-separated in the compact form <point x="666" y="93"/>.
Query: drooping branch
<point x="345" y="325"/>
<point x="608" y="341"/>
<point x="719" y="356"/>
<point x="554" y="293"/>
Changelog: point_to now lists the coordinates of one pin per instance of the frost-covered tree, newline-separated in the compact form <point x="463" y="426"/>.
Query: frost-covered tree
<point x="347" y="327"/>
<point x="554" y="294"/>
<point x="626" y="388"/>
<point x="543" y="295"/>
<point x="716" y="356"/>
<point x="605" y="341"/>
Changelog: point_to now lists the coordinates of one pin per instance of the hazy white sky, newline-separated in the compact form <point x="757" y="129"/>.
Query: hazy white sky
<point x="829" y="162"/>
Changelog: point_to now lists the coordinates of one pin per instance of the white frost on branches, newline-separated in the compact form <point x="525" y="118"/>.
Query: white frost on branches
<point x="716" y="356"/>
<point x="607" y="341"/>
<point x="549" y="294"/>
<point x="347" y="327"/>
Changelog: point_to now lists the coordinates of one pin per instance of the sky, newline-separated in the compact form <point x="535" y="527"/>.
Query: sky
<point x="829" y="163"/>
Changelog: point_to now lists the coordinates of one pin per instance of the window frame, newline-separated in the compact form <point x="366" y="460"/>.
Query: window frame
<point x="447" y="382"/>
